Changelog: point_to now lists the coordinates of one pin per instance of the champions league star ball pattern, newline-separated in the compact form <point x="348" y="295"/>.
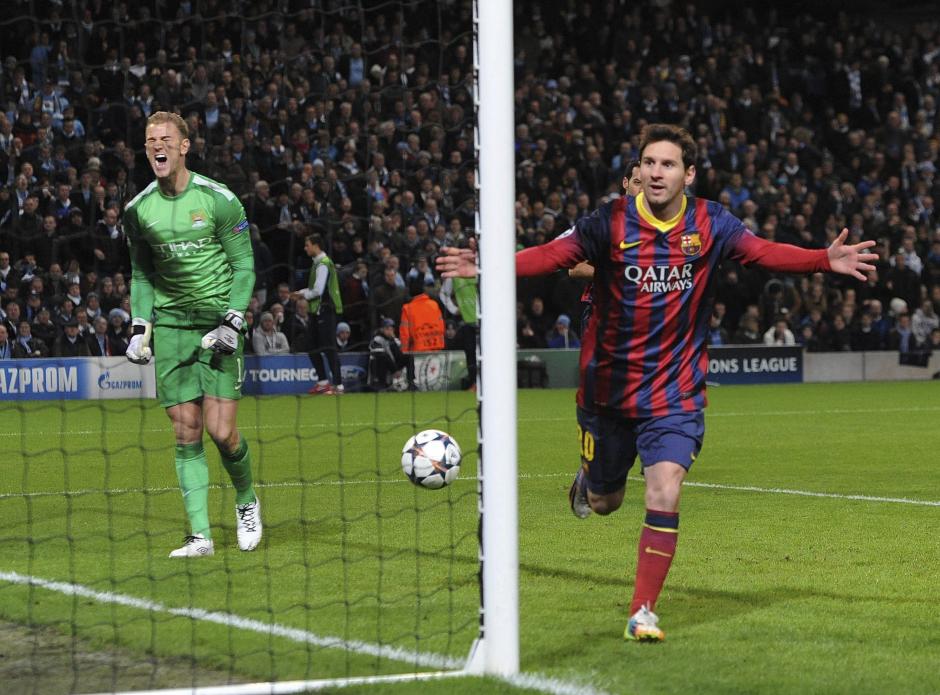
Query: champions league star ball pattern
<point x="431" y="459"/>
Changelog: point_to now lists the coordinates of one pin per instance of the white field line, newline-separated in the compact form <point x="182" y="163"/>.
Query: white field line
<point x="402" y="423"/>
<point x="290" y="687"/>
<point x="522" y="476"/>
<point x="535" y="681"/>
<point x="423" y="659"/>
<point x="810" y="493"/>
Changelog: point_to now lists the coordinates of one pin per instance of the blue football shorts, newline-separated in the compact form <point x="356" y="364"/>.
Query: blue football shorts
<point x="609" y="444"/>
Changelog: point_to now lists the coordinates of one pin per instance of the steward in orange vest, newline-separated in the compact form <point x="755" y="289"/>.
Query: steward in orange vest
<point x="422" y="323"/>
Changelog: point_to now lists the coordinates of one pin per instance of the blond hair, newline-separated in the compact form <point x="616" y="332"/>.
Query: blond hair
<point x="167" y="117"/>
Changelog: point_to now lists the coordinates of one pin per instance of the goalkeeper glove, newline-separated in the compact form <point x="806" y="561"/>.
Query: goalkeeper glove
<point x="138" y="349"/>
<point x="224" y="339"/>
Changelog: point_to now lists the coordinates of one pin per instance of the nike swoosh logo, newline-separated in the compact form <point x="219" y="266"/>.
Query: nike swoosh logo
<point x="653" y="551"/>
<point x="624" y="245"/>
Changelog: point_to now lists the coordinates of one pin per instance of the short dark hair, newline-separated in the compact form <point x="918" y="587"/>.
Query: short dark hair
<point x="657" y="132"/>
<point x="416" y="286"/>
<point x="315" y="239"/>
<point x="628" y="169"/>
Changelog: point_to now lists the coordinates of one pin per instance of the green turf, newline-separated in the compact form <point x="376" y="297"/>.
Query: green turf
<point x="770" y="592"/>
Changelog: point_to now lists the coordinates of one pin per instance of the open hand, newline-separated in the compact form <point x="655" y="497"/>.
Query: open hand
<point x="457" y="263"/>
<point x="851" y="260"/>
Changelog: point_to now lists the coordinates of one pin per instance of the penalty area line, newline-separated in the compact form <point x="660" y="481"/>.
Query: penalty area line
<point x="535" y="681"/>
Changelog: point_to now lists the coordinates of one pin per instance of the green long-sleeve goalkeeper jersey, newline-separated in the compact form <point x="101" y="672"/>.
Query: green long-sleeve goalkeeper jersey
<point x="191" y="255"/>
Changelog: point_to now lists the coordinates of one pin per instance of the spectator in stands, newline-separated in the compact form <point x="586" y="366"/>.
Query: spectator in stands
<point x="26" y="345"/>
<point x="93" y="306"/>
<point x="250" y="325"/>
<point x="902" y="336"/>
<point x="526" y="337"/>
<point x="933" y="344"/>
<point x="748" y="332"/>
<point x="355" y="293"/>
<point x="421" y="272"/>
<point x="109" y="245"/>
<point x="902" y="281"/>
<point x="386" y="361"/>
<point x="99" y="342"/>
<point x="282" y="297"/>
<point x="924" y="321"/>
<point x="343" y="332"/>
<point x="865" y="336"/>
<point x="6" y="345"/>
<point x="107" y="297"/>
<point x="388" y="298"/>
<point x="33" y="306"/>
<point x="880" y="323"/>
<point x="808" y="338"/>
<point x="74" y="293"/>
<point x="8" y="276"/>
<point x="561" y="335"/>
<point x="717" y="335"/>
<point x="43" y="327"/>
<point x="840" y="335"/>
<point x="70" y="343"/>
<point x="12" y="318"/>
<point x="300" y="328"/>
<point x="277" y="311"/>
<point x="541" y="322"/>
<point x="267" y="339"/>
<point x="118" y="321"/>
<point x="64" y="312"/>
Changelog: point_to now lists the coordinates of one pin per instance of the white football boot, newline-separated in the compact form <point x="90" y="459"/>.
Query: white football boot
<point x="195" y="546"/>
<point x="248" y="524"/>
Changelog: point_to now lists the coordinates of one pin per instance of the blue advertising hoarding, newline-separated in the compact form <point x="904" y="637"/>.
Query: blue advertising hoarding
<point x="755" y="364"/>
<point x="75" y="378"/>
<point x="277" y="374"/>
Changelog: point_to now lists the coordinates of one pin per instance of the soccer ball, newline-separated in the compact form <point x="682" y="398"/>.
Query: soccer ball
<point x="431" y="459"/>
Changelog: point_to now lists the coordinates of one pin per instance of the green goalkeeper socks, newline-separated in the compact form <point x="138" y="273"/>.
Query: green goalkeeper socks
<point x="238" y="466"/>
<point x="192" y="470"/>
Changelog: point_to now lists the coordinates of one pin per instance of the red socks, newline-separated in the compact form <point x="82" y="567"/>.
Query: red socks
<point x="657" y="546"/>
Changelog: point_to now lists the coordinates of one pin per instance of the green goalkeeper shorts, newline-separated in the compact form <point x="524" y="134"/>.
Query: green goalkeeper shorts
<point x="186" y="372"/>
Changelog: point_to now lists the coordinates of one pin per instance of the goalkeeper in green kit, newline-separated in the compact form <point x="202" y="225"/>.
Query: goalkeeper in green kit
<point x="193" y="274"/>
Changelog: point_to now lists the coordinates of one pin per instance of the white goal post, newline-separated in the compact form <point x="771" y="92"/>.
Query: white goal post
<point x="497" y="650"/>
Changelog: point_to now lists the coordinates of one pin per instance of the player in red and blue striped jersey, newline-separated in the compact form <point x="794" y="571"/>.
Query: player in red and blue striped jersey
<point x="643" y="358"/>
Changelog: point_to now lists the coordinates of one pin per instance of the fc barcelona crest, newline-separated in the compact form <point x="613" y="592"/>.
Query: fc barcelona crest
<point x="690" y="244"/>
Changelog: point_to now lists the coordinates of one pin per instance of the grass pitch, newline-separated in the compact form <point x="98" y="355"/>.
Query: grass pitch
<point x="807" y="559"/>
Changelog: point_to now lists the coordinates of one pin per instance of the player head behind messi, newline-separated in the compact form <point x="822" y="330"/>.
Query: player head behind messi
<point x="166" y="142"/>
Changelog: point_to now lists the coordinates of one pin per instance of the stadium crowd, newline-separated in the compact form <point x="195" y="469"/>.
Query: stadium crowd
<point x="357" y="124"/>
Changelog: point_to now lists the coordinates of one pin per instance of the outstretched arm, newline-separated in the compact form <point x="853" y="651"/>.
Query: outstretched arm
<point x="838" y="258"/>
<point x="562" y="252"/>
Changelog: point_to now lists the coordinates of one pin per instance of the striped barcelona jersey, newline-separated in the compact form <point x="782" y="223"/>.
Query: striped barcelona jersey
<point x="643" y="352"/>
